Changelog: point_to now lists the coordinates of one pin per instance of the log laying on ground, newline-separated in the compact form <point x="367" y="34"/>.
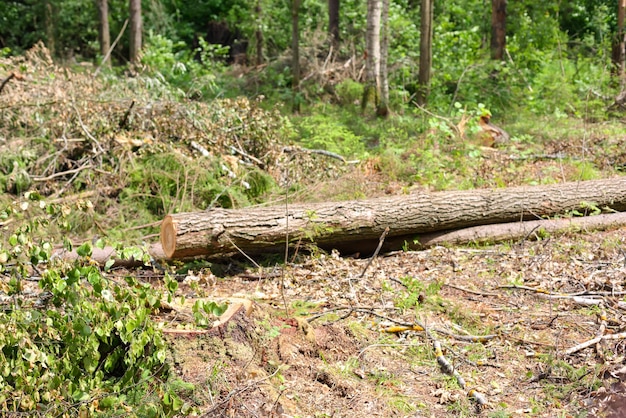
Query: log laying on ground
<point x="355" y="226"/>
<point x="514" y="231"/>
<point x="102" y="255"/>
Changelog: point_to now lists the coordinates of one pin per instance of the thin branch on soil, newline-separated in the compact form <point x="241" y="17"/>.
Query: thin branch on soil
<point x="474" y="292"/>
<point x="449" y="369"/>
<point x="320" y="152"/>
<point x="589" y="343"/>
<point x="241" y="390"/>
<point x="86" y="131"/>
<point x="200" y="149"/>
<point x="380" y="245"/>
<point x="144" y="226"/>
<point x="601" y="331"/>
<point x="85" y="166"/>
<point x="108" y="54"/>
<point x="123" y="123"/>
<point x="448" y="121"/>
<point x="248" y="156"/>
<point x="283" y="271"/>
<point x="6" y="80"/>
<point x="244" y="254"/>
<point x="69" y="182"/>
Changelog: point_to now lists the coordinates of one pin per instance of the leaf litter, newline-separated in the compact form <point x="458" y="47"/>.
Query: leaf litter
<point x="333" y="354"/>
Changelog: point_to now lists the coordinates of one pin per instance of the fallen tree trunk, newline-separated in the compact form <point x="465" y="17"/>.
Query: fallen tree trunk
<point x="485" y="234"/>
<point x="355" y="226"/>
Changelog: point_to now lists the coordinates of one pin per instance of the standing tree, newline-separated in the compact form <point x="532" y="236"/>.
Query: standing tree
<point x="259" y="33"/>
<point x="135" y="30"/>
<point x="426" y="52"/>
<point x="372" y="50"/>
<point x="295" y="55"/>
<point x="333" y="22"/>
<point x="383" y="104"/>
<point x="619" y="45"/>
<point x="49" y="19"/>
<point x="498" y="29"/>
<point x="104" y="36"/>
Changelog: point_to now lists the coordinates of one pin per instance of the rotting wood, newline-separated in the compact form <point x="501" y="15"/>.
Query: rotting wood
<point x="357" y="225"/>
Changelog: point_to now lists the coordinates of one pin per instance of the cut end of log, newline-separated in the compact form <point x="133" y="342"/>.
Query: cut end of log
<point x="168" y="236"/>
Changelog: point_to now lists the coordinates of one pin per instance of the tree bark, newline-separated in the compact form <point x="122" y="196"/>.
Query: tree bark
<point x="484" y="234"/>
<point x="498" y="29"/>
<point x="49" y="19"/>
<point x="619" y="45"/>
<point x="104" y="35"/>
<point x="259" y="33"/>
<point x="383" y="105"/>
<point x="333" y="23"/>
<point x="372" y="60"/>
<point x="136" y="28"/>
<point x="295" y="56"/>
<point x="426" y="52"/>
<point x="355" y="226"/>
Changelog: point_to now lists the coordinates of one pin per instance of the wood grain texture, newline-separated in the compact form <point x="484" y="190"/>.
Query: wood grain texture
<point x="351" y="224"/>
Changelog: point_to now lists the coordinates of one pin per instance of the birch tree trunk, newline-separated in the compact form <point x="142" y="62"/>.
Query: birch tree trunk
<point x="372" y="61"/>
<point x="383" y="105"/>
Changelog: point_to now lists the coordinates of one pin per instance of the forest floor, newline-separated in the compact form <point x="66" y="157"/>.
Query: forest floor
<point x="335" y="353"/>
<point x="326" y="337"/>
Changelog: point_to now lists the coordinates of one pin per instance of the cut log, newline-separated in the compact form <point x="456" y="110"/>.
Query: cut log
<point x="355" y="226"/>
<point x="515" y="231"/>
<point x="102" y="256"/>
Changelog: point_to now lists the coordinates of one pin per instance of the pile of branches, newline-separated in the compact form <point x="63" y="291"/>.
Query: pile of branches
<point x="63" y="130"/>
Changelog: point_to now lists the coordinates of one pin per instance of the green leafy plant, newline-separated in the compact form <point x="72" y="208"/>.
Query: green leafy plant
<point x="81" y="340"/>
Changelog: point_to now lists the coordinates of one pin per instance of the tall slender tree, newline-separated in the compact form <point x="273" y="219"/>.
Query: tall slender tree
<point x="619" y="45"/>
<point x="383" y="104"/>
<point x="136" y="28"/>
<point x="295" y="54"/>
<point x="498" y="29"/>
<point x="259" y="33"/>
<point x="372" y="50"/>
<point x="49" y="20"/>
<point x="333" y="22"/>
<point x="426" y="52"/>
<point x="104" y="35"/>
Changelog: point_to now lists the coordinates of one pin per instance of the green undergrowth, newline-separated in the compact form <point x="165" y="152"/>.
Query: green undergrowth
<point x="74" y="339"/>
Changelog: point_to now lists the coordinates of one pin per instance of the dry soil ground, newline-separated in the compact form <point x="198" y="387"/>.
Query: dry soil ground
<point x="332" y="355"/>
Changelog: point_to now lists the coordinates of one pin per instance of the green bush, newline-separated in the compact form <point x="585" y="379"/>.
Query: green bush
<point x="83" y="341"/>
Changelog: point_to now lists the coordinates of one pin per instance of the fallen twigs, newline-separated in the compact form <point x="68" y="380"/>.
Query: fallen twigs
<point x="444" y="364"/>
<point x="15" y="75"/>
<point x="587" y="298"/>
<point x="380" y="245"/>
<point x="319" y="152"/>
<point x="596" y="340"/>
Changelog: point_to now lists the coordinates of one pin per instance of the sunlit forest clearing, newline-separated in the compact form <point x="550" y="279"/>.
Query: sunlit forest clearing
<point x="312" y="209"/>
